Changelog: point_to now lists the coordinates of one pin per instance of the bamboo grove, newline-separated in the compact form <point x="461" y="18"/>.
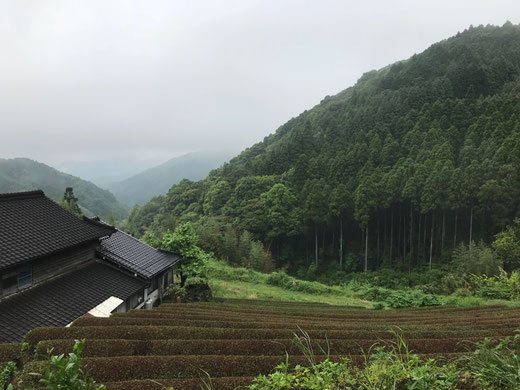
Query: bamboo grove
<point x="413" y="160"/>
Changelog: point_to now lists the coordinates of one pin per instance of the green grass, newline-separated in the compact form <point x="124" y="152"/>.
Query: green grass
<point x="241" y="283"/>
<point x="478" y="301"/>
<point x="229" y="282"/>
<point x="251" y="290"/>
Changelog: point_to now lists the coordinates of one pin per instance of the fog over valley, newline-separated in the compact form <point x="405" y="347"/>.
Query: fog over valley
<point x="98" y="80"/>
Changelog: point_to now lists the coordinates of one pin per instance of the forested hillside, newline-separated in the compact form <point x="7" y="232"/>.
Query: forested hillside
<point x="397" y="170"/>
<point x="22" y="174"/>
<point x="140" y="188"/>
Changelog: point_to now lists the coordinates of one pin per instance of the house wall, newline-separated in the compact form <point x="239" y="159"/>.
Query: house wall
<point x="158" y="285"/>
<point x="121" y="308"/>
<point x="132" y="303"/>
<point x="135" y="300"/>
<point x="60" y="263"/>
<point x="48" y="267"/>
<point x="153" y="293"/>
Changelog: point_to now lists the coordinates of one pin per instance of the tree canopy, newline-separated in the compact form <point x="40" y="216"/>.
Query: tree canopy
<point x="419" y="151"/>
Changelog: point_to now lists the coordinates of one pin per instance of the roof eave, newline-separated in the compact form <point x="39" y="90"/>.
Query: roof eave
<point x="106" y="256"/>
<point x="55" y="252"/>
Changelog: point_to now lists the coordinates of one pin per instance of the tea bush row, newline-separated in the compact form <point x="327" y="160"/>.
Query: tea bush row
<point x="226" y="383"/>
<point x="324" y="325"/>
<point x="180" y="333"/>
<point x="383" y="317"/>
<point x="244" y="317"/>
<point x="124" y="368"/>
<point x="268" y="347"/>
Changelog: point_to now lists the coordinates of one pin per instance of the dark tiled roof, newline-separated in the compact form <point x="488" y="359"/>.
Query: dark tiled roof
<point x="32" y="225"/>
<point x="62" y="300"/>
<point x="135" y="255"/>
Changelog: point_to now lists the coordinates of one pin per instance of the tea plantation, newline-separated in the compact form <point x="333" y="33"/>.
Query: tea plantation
<point x="233" y="341"/>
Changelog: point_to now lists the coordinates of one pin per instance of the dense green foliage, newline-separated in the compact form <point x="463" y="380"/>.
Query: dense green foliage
<point x="502" y="286"/>
<point x="396" y="171"/>
<point x="66" y="372"/>
<point x="21" y="174"/>
<point x="492" y="365"/>
<point x="384" y="288"/>
<point x="7" y="373"/>
<point x="507" y="245"/>
<point x="70" y="202"/>
<point x="192" y="264"/>
<point x="496" y="365"/>
<point x="140" y="188"/>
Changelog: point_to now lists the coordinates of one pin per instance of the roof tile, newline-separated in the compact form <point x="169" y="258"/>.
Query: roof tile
<point x="32" y="225"/>
<point x="62" y="300"/>
<point x="135" y="255"/>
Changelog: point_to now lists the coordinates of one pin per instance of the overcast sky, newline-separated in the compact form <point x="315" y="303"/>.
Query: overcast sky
<point x="83" y="80"/>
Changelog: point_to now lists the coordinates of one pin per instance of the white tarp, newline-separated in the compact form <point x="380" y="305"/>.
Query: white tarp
<point x="105" y="308"/>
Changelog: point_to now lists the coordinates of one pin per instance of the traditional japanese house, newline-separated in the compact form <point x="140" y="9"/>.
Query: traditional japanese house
<point x="56" y="267"/>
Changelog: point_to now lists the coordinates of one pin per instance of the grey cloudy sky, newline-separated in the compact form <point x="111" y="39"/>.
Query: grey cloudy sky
<point x="81" y="80"/>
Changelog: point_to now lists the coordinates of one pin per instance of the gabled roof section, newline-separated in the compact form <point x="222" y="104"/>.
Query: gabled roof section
<point x="135" y="256"/>
<point x="62" y="300"/>
<point x="33" y="226"/>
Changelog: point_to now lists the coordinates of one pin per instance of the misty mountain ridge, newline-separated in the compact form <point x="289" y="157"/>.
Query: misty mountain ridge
<point x="140" y="188"/>
<point x="104" y="172"/>
<point x="23" y="174"/>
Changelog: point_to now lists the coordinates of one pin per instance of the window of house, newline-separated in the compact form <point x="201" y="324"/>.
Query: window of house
<point x="165" y="282"/>
<point x="154" y="284"/>
<point x="24" y="277"/>
<point x="9" y="282"/>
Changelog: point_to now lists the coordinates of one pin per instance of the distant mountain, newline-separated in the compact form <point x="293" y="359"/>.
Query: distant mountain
<point x="23" y="174"/>
<point x="140" y="188"/>
<point x="107" y="171"/>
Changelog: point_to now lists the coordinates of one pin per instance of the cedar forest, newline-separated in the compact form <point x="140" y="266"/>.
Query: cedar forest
<point x="414" y="161"/>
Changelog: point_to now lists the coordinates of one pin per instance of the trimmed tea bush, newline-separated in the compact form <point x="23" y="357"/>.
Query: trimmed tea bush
<point x="9" y="352"/>
<point x="234" y="340"/>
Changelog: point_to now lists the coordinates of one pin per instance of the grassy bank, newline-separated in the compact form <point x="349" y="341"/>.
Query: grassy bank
<point x="229" y="282"/>
<point x="249" y="290"/>
<point x="242" y="283"/>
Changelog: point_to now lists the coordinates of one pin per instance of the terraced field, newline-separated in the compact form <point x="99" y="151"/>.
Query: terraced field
<point x="8" y="352"/>
<point x="235" y="340"/>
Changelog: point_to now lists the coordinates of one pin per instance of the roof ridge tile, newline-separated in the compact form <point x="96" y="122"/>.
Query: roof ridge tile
<point x="21" y="195"/>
